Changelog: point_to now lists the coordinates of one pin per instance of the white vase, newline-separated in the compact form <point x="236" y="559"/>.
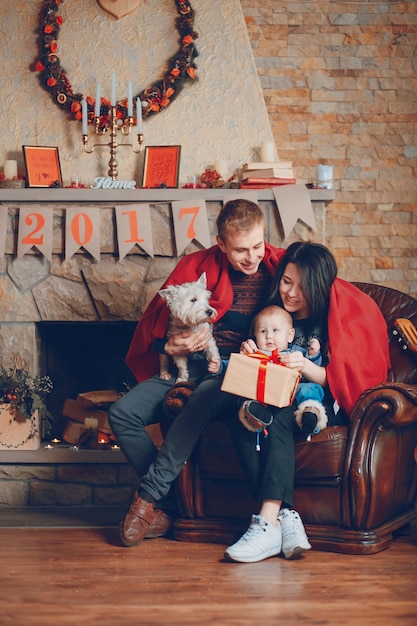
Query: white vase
<point x="18" y="432"/>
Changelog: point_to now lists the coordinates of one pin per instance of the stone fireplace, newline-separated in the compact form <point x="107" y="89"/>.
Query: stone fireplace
<point x="74" y="319"/>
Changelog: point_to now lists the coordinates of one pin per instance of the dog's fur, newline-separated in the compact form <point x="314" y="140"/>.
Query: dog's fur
<point x="190" y="310"/>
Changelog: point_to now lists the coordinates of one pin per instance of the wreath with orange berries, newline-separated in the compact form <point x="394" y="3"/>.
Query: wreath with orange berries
<point x="156" y="98"/>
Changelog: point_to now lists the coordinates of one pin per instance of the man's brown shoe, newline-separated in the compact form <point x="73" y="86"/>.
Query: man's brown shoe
<point x="160" y="527"/>
<point x="137" y="522"/>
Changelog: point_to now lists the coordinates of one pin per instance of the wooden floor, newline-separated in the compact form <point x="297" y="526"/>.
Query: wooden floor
<point x="80" y="576"/>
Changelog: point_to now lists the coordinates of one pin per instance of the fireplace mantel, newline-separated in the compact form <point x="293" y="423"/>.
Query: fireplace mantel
<point x="16" y="196"/>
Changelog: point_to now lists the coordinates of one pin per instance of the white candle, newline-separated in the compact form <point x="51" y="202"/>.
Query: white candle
<point x="139" y="116"/>
<point x="98" y="100"/>
<point x="113" y="89"/>
<point x="267" y="151"/>
<point x="221" y="167"/>
<point x="10" y="169"/>
<point x="129" y="99"/>
<point x="84" y="119"/>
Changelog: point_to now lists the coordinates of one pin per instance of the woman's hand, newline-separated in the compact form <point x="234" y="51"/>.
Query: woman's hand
<point x="312" y="372"/>
<point x="188" y="342"/>
<point x="248" y="347"/>
<point x="295" y="360"/>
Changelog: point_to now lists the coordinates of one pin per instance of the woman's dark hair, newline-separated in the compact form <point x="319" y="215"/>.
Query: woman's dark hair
<point x="318" y="270"/>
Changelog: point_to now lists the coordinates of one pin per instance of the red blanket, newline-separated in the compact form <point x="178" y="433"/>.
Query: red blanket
<point x="358" y="339"/>
<point x="358" y="344"/>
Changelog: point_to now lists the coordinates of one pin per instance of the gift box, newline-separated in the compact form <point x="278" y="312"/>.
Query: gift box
<point x="260" y="377"/>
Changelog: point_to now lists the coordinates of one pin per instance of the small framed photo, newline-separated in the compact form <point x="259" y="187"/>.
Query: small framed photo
<point x="42" y="166"/>
<point x="161" y="167"/>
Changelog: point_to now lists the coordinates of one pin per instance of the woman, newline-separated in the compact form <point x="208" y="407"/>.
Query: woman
<point x="347" y="323"/>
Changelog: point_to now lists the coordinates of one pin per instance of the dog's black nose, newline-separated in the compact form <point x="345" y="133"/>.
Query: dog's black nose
<point x="209" y="312"/>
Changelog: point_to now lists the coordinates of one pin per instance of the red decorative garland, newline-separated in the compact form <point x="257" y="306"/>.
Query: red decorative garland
<point x="154" y="99"/>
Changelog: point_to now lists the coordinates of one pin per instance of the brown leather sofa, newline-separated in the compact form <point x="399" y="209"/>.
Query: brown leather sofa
<point x="354" y="486"/>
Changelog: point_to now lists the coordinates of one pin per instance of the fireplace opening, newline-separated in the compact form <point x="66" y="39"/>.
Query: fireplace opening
<point x="81" y="357"/>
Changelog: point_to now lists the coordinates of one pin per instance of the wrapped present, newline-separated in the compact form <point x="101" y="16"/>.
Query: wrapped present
<point x="261" y="377"/>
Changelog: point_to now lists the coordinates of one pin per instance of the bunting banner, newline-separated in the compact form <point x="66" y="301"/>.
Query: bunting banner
<point x="82" y="230"/>
<point x="134" y="224"/>
<point x="134" y="228"/>
<point x="293" y="202"/>
<point x="35" y="230"/>
<point x="3" y="230"/>
<point x="190" y="223"/>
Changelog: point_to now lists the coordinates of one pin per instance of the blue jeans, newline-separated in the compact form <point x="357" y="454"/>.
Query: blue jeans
<point x="308" y="391"/>
<point x="143" y="406"/>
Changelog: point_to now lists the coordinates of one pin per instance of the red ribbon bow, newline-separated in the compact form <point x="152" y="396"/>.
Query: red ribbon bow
<point x="264" y="360"/>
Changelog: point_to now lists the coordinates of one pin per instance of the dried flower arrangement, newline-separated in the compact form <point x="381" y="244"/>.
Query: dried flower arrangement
<point x="23" y="392"/>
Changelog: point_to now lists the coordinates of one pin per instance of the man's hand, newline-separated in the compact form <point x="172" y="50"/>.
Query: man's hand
<point x="187" y="342"/>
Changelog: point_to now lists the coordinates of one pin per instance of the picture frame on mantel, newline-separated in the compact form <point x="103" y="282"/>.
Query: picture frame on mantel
<point x="161" y="166"/>
<point x="43" y="167"/>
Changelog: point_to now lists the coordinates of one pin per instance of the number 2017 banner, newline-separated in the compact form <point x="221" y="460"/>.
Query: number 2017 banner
<point x="82" y="228"/>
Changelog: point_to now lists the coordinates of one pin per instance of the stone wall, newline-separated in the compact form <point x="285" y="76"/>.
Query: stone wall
<point x="54" y="484"/>
<point x="339" y="81"/>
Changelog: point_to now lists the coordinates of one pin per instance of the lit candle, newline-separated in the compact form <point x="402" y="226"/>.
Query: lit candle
<point x="113" y="89"/>
<point x="139" y="116"/>
<point x="10" y="169"/>
<point x="84" y="112"/>
<point x="129" y="99"/>
<point x="98" y="100"/>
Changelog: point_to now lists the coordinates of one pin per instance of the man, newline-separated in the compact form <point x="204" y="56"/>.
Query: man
<point x="239" y="274"/>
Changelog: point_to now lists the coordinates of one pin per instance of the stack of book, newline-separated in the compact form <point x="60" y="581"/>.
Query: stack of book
<point x="261" y="175"/>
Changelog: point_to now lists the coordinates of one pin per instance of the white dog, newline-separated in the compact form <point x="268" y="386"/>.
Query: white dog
<point x="190" y="310"/>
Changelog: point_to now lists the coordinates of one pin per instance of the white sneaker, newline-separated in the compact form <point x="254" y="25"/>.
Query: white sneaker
<point x="294" y="538"/>
<point x="260" y="541"/>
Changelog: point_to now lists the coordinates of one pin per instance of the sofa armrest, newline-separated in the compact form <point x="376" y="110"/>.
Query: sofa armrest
<point x="380" y="471"/>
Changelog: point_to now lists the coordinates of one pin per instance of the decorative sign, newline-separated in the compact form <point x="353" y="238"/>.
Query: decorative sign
<point x="161" y="166"/>
<point x="35" y="230"/>
<point x="134" y="228"/>
<point x="101" y="182"/>
<point x="82" y="230"/>
<point x="42" y="166"/>
<point x="190" y="222"/>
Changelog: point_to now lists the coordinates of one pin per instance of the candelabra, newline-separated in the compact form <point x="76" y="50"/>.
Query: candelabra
<point x="112" y="126"/>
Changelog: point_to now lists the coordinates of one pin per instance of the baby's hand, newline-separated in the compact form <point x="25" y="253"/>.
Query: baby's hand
<point x="314" y="347"/>
<point x="213" y="366"/>
<point x="248" y="347"/>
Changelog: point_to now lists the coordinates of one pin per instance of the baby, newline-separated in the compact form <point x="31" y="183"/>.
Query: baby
<point x="273" y="330"/>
